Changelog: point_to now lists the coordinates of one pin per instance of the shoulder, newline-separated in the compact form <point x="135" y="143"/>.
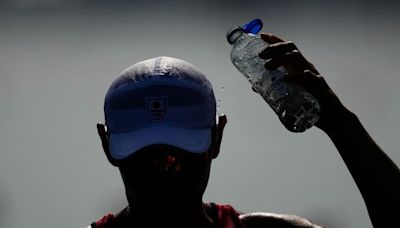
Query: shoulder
<point x="111" y="220"/>
<point x="104" y="222"/>
<point x="264" y="219"/>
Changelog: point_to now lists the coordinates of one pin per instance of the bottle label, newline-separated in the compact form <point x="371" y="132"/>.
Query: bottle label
<point x="271" y="83"/>
<point x="276" y="86"/>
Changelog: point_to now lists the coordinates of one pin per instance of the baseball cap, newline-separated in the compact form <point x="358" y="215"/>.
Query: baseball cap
<point x="162" y="100"/>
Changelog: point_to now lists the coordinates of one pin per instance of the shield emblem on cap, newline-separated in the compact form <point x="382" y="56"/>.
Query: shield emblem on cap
<point x="156" y="107"/>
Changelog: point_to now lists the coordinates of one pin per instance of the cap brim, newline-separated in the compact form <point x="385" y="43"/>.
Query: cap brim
<point x="122" y="145"/>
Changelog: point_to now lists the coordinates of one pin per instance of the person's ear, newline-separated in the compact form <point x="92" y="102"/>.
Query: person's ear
<point x="102" y="131"/>
<point x="217" y="136"/>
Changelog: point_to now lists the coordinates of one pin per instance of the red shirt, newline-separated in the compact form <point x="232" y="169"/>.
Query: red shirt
<point x="225" y="216"/>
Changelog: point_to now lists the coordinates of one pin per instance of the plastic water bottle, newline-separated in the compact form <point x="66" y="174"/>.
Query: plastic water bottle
<point x="297" y="109"/>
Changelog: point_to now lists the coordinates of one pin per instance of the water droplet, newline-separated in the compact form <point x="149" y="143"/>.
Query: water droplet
<point x="223" y="88"/>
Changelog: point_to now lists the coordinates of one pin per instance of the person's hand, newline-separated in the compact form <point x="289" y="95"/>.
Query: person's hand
<point x="302" y="73"/>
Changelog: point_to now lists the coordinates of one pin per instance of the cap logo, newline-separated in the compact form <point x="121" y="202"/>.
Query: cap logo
<point x="156" y="107"/>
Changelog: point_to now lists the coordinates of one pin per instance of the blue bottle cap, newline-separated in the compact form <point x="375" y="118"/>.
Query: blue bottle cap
<point x="253" y="26"/>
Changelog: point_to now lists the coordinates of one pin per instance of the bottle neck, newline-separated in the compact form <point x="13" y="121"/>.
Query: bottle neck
<point x="236" y="35"/>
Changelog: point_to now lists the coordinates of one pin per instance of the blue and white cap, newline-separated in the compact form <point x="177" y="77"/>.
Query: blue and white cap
<point x="161" y="100"/>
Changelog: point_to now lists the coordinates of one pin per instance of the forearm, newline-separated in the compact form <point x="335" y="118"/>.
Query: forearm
<point x="376" y="175"/>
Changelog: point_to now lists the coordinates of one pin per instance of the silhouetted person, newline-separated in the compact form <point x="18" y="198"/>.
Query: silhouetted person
<point x="161" y="132"/>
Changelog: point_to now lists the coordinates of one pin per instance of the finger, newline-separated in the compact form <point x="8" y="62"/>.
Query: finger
<point x="293" y="58"/>
<point x="307" y="79"/>
<point x="270" y="38"/>
<point x="277" y="49"/>
<point x="294" y="78"/>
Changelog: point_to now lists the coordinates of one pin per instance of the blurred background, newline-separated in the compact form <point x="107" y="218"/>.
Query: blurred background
<point x="58" y="57"/>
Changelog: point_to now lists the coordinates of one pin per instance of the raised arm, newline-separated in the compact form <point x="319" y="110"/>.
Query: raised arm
<point x="376" y="175"/>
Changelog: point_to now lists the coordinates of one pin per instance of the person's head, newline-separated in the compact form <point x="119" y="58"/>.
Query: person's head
<point x="161" y="130"/>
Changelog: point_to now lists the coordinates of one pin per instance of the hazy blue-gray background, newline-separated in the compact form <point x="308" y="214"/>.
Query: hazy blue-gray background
<point x="57" y="59"/>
